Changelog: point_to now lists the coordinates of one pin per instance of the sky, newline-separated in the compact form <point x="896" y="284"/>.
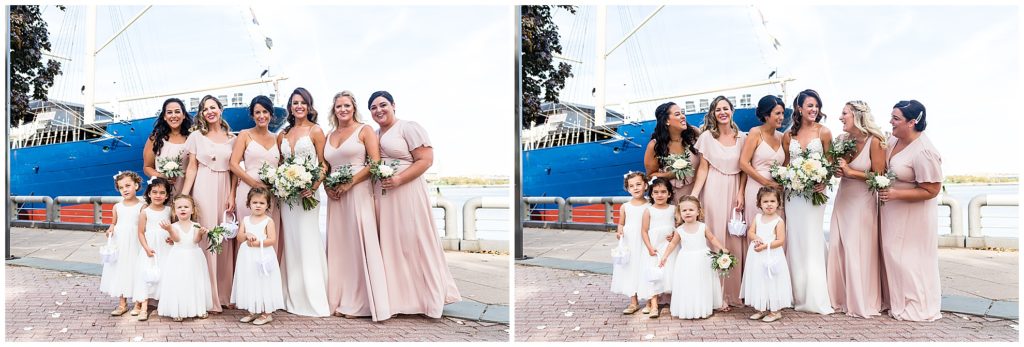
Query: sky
<point x="448" y="67"/>
<point x="961" y="62"/>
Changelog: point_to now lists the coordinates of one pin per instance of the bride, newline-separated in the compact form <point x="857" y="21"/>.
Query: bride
<point x="805" y="237"/>
<point x="305" y="260"/>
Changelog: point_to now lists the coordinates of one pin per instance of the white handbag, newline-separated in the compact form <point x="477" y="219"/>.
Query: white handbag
<point x="152" y="275"/>
<point x="230" y="226"/>
<point x="108" y="253"/>
<point x="620" y="254"/>
<point x="265" y="265"/>
<point x="737" y="227"/>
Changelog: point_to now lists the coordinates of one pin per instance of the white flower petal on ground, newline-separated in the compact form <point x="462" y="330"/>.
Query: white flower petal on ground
<point x="568" y="314"/>
<point x="539" y="327"/>
<point x="576" y="292"/>
<point x="67" y="275"/>
<point x="648" y="336"/>
<point x="63" y="293"/>
<point x="64" y="330"/>
<point x="55" y="315"/>
<point x="571" y="302"/>
<point x="581" y="274"/>
<point x="576" y="329"/>
<point x="58" y="303"/>
<point x="28" y="328"/>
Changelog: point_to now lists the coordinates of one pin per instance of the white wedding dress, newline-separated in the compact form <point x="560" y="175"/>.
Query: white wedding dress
<point x="305" y="257"/>
<point x="805" y="246"/>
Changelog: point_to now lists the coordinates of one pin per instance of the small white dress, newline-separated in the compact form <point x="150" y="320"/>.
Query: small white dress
<point x="696" y="287"/>
<point x="118" y="279"/>
<point x="156" y="238"/>
<point x="185" y="287"/>
<point x="626" y="277"/>
<point x="253" y="291"/>
<point x="662" y="224"/>
<point x="763" y="289"/>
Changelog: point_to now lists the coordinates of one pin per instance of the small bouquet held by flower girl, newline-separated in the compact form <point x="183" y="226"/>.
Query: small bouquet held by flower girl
<point x="170" y="167"/>
<point x="381" y="171"/>
<point x="878" y="182"/>
<point x="216" y="237"/>
<point x="722" y="262"/>
<point x="341" y="175"/>
<point x="678" y="165"/>
<point x="295" y="174"/>
<point x="805" y="171"/>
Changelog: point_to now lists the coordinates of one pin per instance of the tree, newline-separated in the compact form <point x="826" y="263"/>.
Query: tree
<point x="30" y="77"/>
<point x="542" y="80"/>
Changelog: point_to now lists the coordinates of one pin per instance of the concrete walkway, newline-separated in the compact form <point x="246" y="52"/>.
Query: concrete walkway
<point x="976" y="282"/>
<point x="483" y="279"/>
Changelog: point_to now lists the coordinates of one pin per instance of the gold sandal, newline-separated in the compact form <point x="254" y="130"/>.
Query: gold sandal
<point x="143" y="316"/>
<point x="631" y="309"/>
<point x="120" y="310"/>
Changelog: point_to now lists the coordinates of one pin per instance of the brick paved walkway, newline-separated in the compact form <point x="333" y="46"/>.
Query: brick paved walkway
<point x="32" y="308"/>
<point x="561" y="305"/>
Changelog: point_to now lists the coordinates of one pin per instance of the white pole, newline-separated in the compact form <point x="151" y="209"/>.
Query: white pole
<point x="90" y="65"/>
<point x="119" y="32"/>
<point x="600" y="114"/>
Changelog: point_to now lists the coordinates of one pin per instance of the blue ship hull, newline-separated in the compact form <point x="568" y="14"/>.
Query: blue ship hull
<point x="596" y="168"/>
<point x="85" y="168"/>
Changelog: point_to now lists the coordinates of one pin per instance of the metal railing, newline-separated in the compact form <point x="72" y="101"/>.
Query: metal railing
<point x="450" y="241"/>
<point x="469" y="240"/>
<point x="974" y="237"/>
<point x="956" y="223"/>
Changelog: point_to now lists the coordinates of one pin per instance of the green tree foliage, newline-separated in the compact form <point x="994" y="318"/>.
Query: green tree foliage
<point x="30" y="76"/>
<point x="542" y="80"/>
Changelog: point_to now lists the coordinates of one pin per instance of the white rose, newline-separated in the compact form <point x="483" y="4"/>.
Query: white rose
<point x="335" y="175"/>
<point x="299" y="160"/>
<point x="882" y="181"/>
<point x="680" y="164"/>
<point x="724" y="262"/>
<point x="815" y="156"/>
<point x="386" y="171"/>
<point x="168" y="166"/>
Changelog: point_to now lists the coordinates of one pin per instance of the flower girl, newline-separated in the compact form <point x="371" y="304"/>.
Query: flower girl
<point x="766" y="283"/>
<point x="658" y="222"/>
<point x="257" y="284"/>
<point x="696" y="287"/>
<point x="626" y="274"/>
<point x="118" y="275"/>
<point x="185" y="287"/>
<point x="151" y="239"/>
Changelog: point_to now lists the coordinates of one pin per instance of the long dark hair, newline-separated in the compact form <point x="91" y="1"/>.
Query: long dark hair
<point x="913" y="109"/>
<point x="660" y="181"/>
<point x="798" y="102"/>
<point x="157" y="181"/>
<point x="310" y="111"/>
<point x="162" y="130"/>
<point x="661" y="136"/>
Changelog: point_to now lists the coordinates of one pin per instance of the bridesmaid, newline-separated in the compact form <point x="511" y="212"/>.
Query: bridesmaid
<point x="909" y="218"/>
<point x="854" y="281"/>
<point x="761" y="150"/>
<point x="418" y="278"/>
<point x="805" y="239"/>
<point x="257" y="146"/>
<point x="720" y="179"/>
<point x="209" y="181"/>
<point x="356" y="285"/>
<point x="672" y="135"/>
<point x="168" y="140"/>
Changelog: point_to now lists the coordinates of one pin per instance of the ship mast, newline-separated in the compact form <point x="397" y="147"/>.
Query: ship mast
<point x="600" y="112"/>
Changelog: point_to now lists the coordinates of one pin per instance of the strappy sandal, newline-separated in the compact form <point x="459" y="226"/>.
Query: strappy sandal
<point x="120" y="310"/>
<point x="143" y="315"/>
<point x="248" y="318"/>
<point x="134" y="311"/>
<point x="631" y="309"/>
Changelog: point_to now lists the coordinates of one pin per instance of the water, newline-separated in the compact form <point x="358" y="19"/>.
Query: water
<point x="491" y="224"/>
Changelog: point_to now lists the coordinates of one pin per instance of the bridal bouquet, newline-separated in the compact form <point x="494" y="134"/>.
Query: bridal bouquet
<point x="678" y="165"/>
<point x="842" y="148"/>
<point x="296" y="174"/>
<point x="805" y="171"/>
<point x="878" y="182"/>
<point x="170" y="167"/>
<point x="340" y="175"/>
<point x="381" y="171"/>
<point x="722" y="262"/>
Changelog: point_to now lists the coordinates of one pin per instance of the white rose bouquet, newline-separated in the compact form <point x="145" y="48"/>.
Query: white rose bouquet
<point x="842" y="148"/>
<point x="878" y="181"/>
<point x="296" y="174"/>
<point x="805" y="171"/>
<point x="170" y="167"/>
<point x="380" y="171"/>
<point x="341" y="175"/>
<point x="216" y="237"/>
<point x="678" y="165"/>
<point x="722" y="262"/>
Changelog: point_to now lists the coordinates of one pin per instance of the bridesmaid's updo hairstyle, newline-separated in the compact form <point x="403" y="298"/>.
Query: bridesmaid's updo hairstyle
<point x="630" y="175"/>
<point x="162" y="130"/>
<point x="711" y="123"/>
<point x="310" y="111"/>
<point x="766" y="105"/>
<point x="355" y="110"/>
<point x="158" y="181"/>
<point x="695" y="201"/>
<point x="380" y="93"/>
<point x="201" y="123"/>
<point x="864" y="121"/>
<point x="261" y="100"/>
<point x="661" y="136"/>
<point x="664" y="182"/>
<point x="799" y="102"/>
<point x="766" y="190"/>
<point x="914" y="110"/>
<point x="127" y="174"/>
<point x="258" y="191"/>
